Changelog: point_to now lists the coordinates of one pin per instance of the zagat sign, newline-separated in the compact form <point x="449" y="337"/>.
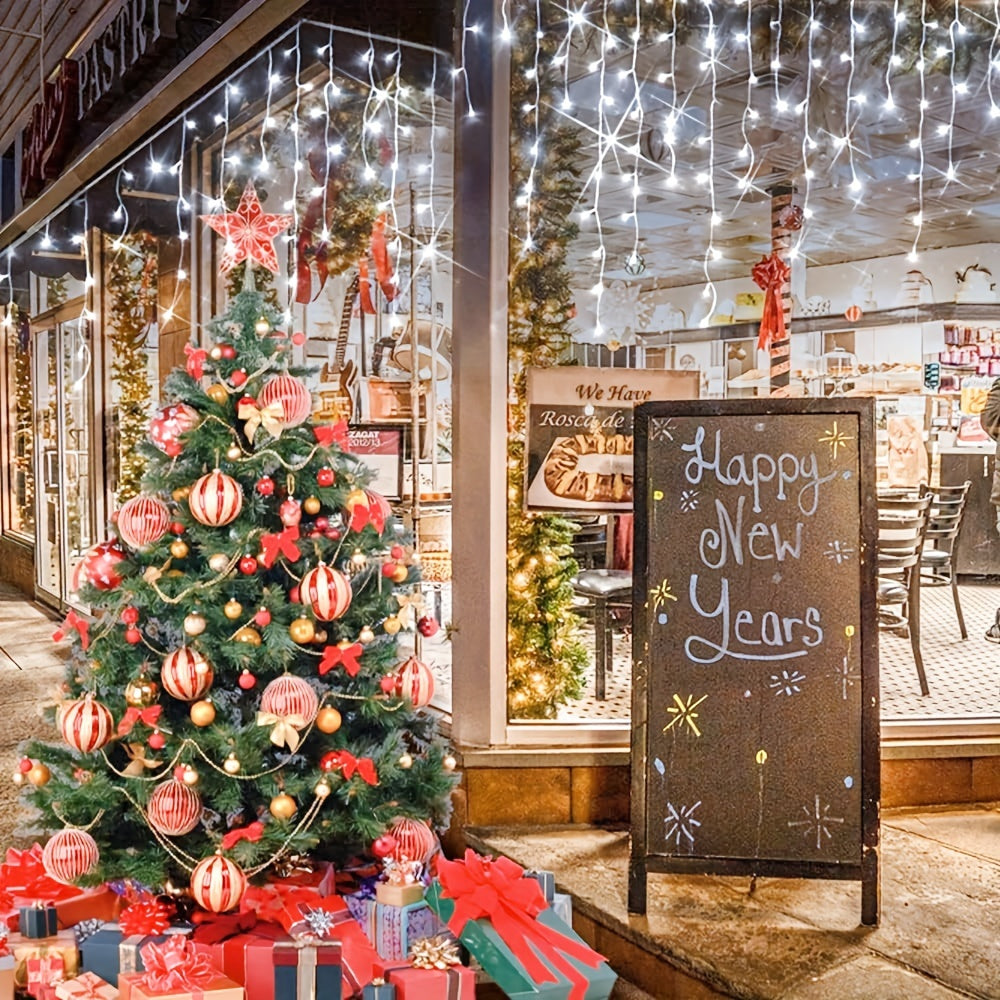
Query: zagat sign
<point x="81" y="83"/>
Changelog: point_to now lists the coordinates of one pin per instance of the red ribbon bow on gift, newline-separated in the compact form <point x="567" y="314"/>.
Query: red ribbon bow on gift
<point x="328" y="434"/>
<point x="349" y="765"/>
<point x="770" y="274"/>
<point x="496" y="890"/>
<point x="195" y="360"/>
<point x="252" y="832"/>
<point x="22" y="875"/>
<point x="174" y="966"/>
<point x="273" y="546"/>
<point x="73" y="621"/>
<point x="345" y="654"/>
<point x="148" y="716"/>
<point x="146" y="916"/>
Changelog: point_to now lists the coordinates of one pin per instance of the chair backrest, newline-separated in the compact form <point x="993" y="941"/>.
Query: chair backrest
<point x="902" y="523"/>
<point x="945" y="514"/>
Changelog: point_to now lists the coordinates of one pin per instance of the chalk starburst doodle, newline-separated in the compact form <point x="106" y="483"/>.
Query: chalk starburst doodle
<point x="840" y="552"/>
<point x="659" y="596"/>
<point x="683" y="712"/>
<point x="662" y="429"/>
<point x="787" y="682"/>
<point x="680" y="824"/>
<point x="836" y="439"/>
<point x="689" y="500"/>
<point x="818" y="821"/>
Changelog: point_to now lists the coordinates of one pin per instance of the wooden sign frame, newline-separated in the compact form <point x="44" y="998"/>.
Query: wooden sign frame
<point x="861" y="861"/>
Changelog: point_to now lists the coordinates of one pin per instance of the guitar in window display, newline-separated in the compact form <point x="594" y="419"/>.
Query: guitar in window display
<point x="338" y="381"/>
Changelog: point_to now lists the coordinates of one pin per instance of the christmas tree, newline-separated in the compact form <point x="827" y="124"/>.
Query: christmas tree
<point x="236" y="695"/>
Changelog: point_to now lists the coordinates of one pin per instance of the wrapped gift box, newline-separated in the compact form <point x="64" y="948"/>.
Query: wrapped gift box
<point x="455" y="983"/>
<point x="320" y="876"/>
<point x="379" y="989"/>
<point x="38" y="961"/>
<point x="562" y="907"/>
<point x="308" y="970"/>
<point x="37" y="921"/>
<point x="246" y="958"/>
<point x="92" y="904"/>
<point x="547" y="882"/>
<point x="561" y="963"/>
<point x="398" y="895"/>
<point x="392" y="929"/>
<point x="86" y="986"/>
<point x="132" y="986"/>
<point x="6" y="977"/>
<point x="108" y="953"/>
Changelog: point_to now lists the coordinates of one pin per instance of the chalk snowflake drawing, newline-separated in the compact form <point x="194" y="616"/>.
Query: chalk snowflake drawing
<point x="689" y="500"/>
<point x="840" y="552"/>
<point x="662" y="430"/>
<point x="684" y="712"/>
<point x="659" y="595"/>
<point x="836" y="439"/>
<point x="680" y="824"/>
<point x="787" y="682"/>
<point x="817" y="821"/>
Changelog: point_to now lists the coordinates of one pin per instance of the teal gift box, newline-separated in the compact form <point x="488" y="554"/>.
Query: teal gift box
<point x="591" y="978"/>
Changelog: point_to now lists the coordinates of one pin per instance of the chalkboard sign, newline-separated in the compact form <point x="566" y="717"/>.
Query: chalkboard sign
<point x="755" y="717"/>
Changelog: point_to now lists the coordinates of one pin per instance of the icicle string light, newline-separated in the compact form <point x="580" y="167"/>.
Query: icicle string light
<point x="710" y="292"/>
<point x="950" y="173"/>
<point x="918" y="219"/>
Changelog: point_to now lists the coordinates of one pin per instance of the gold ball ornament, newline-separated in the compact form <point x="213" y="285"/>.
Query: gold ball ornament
<point x="366" y="635"/>
<point x="215" y="353"/>
<point x="232" y="610"/>
<point x="449" y="763"/>
<point x="391" y="625"/>
<point x="233" y="452"/>
<point x="400" y="574"/>
<point x="179" y="549"/>
<point x="328" y="720"/>
<point x="17" y="777"/>
<point x="322" y="790"/>
<point x="39" y="775"/>
<point x="405" y="762"/>
<point x="141" y="692"/>
<point x="231" y="764"/>
<point x="190" y="776"/>
<point x="217" y="392"/>
<point x="181" y="493"/>
<point x="248" y="635"/>
<point x="194" y="623"/>
<point x="355" y="497"/>
<point x="302" y="630"/>
<point x="283" y="806"/>
<point x="218" y="561"/>
<point x="311" y="505"/>
<point x="203" y="713"/>
<point x="262" y="327"/>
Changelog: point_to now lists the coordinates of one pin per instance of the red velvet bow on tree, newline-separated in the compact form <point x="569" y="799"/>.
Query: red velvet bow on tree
<point x="73" y="621"/>
<point x="345" y="655"/>
<point x="328" y="434"/>
<point x="174" y="966"/>
<point x="770" y="274"/>
<point x="496" y="890"/>
<point x="273" y="546"/>
<point x="147" y="716"/>
<point x="195" y="360"/>
<point x="365" y="514"/>
<point x="252" y="832"/>
<point x="349" y="765"/>
<point x="146" y="916"/>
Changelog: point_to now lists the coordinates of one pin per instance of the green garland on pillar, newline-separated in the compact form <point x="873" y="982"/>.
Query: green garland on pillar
<point x="545" y="658"/>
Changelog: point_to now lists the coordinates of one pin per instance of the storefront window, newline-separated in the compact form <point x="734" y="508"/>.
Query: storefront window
<point x="19" y="484"/>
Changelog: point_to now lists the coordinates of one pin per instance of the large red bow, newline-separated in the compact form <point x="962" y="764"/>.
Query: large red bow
<point x="174" y="966"/>
<point x="22" y="875"/>
<point x="73" y="621"/>
<point x="328" y="434"/>
<point x="770" y="274"/>
<point x="496" y="890"/>
<point x="147" y="716"/>
<point x="252" y="832"/>
<point x="349" y="765"/>
<point x="343" y="654"/>
<point x="214" y="928"/>
<point x="273" y="546"/>
<point x="146" y="916"/>
<point x="365" y="514"/>
<point x="195" y="360"/>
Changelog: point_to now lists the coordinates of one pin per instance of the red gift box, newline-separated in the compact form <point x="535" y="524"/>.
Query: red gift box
<point x="247" y="958"/>
<point x="91" y="904"/>
<point x="455" y="983"/>
<point x="322" y="878"/>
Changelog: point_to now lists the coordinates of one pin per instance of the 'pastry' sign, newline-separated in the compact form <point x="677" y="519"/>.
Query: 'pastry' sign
<point x="579" y="434"/>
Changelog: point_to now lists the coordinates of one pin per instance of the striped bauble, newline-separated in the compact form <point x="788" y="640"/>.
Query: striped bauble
<point x="218" y="884"/>
<point x="69" y="855"/>
<point x="327" y="591"/>
<point x="216" y="499"/>
<point x="186" y="674"/>
<point x="86" y="724"/>
<point x="415" y="681"/>
<point x="174" y="808"/>
<point x="290" y="697"/>
<point x="379" y="510"/>
<point x="415" y="840"/>
<point x="293" y="396"/>
<point x="142" y="521"/>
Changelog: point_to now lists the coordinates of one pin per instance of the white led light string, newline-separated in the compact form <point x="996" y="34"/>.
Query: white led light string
<point x="855" y="186"/>
<point x="994" y="64"/>
<point x="532" y="74"/>
<point x="898" y="17"/>
<point x="710" y="292"/>
<point x="918" y="219"/>
<point x="466" y="30"/>
<point x="779" y="102"/>
<point x="636" y="113"/>
<point x="750" y="113"/>
<point x="808" y="142"/>
<point x="671" y="131"/>
<point x="950" y="173"/>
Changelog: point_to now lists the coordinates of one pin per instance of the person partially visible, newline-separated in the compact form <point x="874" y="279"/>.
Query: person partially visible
<point x="990" y="419"/>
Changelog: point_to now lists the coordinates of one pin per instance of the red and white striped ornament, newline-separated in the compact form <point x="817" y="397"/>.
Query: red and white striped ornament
<point x="216" y="499"/>
<point x="86" y="724"/>
<point x="174" y="808"/>
<point x="853" y="313"/>
<point x="415" y="681"/>
<point x="169" y="424"/>
<point x="69" y="855"/>
<point x="218" y="884"/>
<point x="142" y="521"/>
<point x="186" y="674"/>
<point x="293" y="395"/>
<point x="290" y="697"/>
<point x="99" y="566"/>
<point x="327" y="591"/>
<point x="415" y="840"/>
<point x="379" y="508"/>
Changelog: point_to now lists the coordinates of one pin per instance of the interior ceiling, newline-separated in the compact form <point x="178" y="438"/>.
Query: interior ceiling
<point x="846" y="224"/>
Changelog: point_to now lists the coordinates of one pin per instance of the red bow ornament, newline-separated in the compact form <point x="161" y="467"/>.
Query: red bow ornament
<point x="252" y="832"/>
<point x="349" y="765"/>
<point x="146" y="916"/>
<point x="73" y="621"/>
<point x="174" y="966"/>
<point x="771" y="274"/>
<point x="273" y="546"/>
<point x="330" y="434"/>
<point x="482" y="887"/>
<point x="344" y="654"/>
<point x="365" y="514"/>
<point x="147" y="716"/>
<point x="195" y="360"/>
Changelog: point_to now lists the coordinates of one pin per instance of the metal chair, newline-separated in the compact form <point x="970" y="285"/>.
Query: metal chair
<point x="602" y="590"/>
<point x="902" y="523"/>
<point x="944" y="521"/>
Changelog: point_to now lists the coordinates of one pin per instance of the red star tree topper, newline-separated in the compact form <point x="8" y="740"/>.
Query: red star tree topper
<point x="249" y="232"/>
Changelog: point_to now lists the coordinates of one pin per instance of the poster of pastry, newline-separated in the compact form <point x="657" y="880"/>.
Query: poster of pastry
<point x="579" y="433"/>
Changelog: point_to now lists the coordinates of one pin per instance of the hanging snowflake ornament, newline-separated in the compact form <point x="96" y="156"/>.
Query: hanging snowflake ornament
<point x="249" y="232"/>
<point x="625" y="310"/>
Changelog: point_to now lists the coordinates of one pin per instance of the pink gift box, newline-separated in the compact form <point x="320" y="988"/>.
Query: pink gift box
<point x="456" y="983"/>
<point x="86" y="986"/>
<point x="132" y="987"/>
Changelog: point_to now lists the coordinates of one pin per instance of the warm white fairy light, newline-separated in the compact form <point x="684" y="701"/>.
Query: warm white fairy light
<point x="636" y="115"/>
<point x="855" y="185"/>
<point x="222" y="144"/>
<point x="951" y="174"/>
<point x="808" y="143"/>
<point x="749" y="112"/>
<point x="777" y="24"/>
<point x="713" y="219"/>
<point x="918" y="219"/>
<point x="992" y="66"/>
<point x="467" y="29"/>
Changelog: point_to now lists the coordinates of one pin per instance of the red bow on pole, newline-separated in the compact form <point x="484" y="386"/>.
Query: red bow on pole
<point x="770" y="274"/>
<point x="148" y="716"/>
<point x="195" y="360"/>
<point x="343" y="654"/>
<point x="349" y="765"/>
<point x="252" y="832"/>
<point x="73" y="621"/>
<point x="330" y="434"/>
<point x="365" y="288"/>
<point x="273" y="546"/>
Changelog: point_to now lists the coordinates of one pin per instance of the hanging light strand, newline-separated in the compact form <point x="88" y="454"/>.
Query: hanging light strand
<point x="636" y="112"/>
<point x="918" y="219"/>
<point x="950" y="173"/>
<point x="852" y="99"/>
<point x="750" y="113"/>
<point x="533" y="72"/>
<point x="710" y="292"/>
<point x="897" y="18"/>
<point x="992" y="67"/>
<point x="808" y="142"/>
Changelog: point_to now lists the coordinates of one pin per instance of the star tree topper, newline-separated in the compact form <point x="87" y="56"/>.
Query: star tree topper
<point x="249" y="232"/>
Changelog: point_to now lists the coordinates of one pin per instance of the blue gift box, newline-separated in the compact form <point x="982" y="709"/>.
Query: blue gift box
<point x="379" y="989"/>
<point x="547" y="880"/>
<point x="393" y="929"/>
<point x="38" y="921"/>
<point x="107" y="953"/>
<point x="307" y="970"/>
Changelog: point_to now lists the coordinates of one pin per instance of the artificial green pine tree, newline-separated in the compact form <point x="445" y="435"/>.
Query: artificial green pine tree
<point x="234" y="596"/>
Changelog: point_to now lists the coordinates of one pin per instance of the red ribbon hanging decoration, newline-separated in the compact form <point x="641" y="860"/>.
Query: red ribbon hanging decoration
<point x="148" y="716"/>
<point x="174" y="966"/>
<point x="364" y="514"/>
<point x="73" y="621"/>
<point x="341" y="655"/>
<point x="195" y="360"/>
<point x="273" y="546"/>
<point x="770" y="274"/>
<point x="383" y="265"/>
<point x="482" y="887"/>
<point x="349" y="765"/>
<point x="252" y="832"/>
<point x="365" y="288"/>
